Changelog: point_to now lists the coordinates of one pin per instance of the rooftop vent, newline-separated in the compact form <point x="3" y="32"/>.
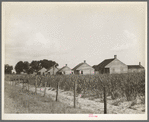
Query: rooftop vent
<point x="115" y="56"/>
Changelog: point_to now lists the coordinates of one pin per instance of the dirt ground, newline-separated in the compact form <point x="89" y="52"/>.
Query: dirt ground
<point x="95" y="106"/>
<point x="22" y="102"/>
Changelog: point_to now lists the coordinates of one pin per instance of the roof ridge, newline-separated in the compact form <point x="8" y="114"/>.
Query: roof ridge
<point x="80" y="64"/>
<point x="63" y="68"/>
<point x="77" y="66"/>
<point x="105" y="62"/>
<point x="135" y="66"/>
<point x="109" y="58"/>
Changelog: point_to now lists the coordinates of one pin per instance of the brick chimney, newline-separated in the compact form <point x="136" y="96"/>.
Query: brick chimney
<point x="115" y="56"/>
<point x="84" y="61"/>
<point x="140" y="63"/>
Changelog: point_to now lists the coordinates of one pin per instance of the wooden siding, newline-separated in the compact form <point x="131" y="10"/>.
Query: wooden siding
<point x="65" y="71"/>
<point x="85" y="69"/>
<point x="96" y="72"/>
<point x="136" y="70"/>
<point x="42" y="71"/>
<point x="116" y="66"/>
<point x="50" y="72"/>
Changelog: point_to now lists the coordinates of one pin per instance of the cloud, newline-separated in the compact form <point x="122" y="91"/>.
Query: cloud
<point x="39" y="46"/>
<point x="38" y="42"/>
<point x="128" y="40"/>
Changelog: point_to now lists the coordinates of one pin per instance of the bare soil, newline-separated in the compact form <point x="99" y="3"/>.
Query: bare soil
<point x="21" y="101"/>
<point x="83" y="105"/>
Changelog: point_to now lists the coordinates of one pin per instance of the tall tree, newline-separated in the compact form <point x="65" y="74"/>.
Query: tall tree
<point x="8" y="69"/>
<point x="26" y="66"/>
<point x="35" y="65"/>
<point x="48" y="63"/>
<point x="30" y="71"/>
<point x="19" y="67"/>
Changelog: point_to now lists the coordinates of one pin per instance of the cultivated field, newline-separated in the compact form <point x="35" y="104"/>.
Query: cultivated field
<point x="122" y="90"/>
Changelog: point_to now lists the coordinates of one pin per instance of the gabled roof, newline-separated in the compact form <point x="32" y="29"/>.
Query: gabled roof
<point x="62" y="69"/>
<point x="105" y="62"/>
<point x="95" y="67"/>
<point x="79" y="65"/>
<point x="135" y="67"/>
<point x="51" y="68"/>
<point x="41" y="69"/>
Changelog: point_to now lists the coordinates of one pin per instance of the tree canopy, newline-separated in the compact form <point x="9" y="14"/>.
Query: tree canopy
<point x="8" y="69"/>
<point x="34" y="66"/>
<point x="19" y="67"/>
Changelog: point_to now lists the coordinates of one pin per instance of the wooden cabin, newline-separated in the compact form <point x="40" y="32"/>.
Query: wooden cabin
<point x="111" y="66"/>
<point x="52" y="70"/>
<point x="42" y="71"/>
<point x="83" y="68"/>
<point x="65" y="70"/>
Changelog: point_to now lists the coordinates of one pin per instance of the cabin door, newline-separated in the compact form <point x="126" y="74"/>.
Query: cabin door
<point x="107" y="70"/>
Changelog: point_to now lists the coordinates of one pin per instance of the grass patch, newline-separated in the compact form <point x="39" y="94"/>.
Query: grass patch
<point x="18" y="101"/>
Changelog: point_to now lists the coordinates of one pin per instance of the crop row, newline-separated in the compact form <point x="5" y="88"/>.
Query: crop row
<point x="117" y="85"/>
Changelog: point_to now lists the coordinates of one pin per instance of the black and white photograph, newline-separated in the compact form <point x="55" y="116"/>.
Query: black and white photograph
<point x="74" y="61"/>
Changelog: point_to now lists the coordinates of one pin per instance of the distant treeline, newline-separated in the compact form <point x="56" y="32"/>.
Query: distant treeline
<point x="29" y="68"/>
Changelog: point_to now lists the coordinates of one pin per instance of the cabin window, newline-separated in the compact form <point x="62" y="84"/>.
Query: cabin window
<point x="106" y="70"/>
<point x="81" y="72"/>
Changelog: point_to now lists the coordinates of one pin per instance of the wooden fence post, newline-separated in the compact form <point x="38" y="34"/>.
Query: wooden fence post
<point x="19" y="81"/>
<point x="105" y="101"/>
<point x="57" y="92"/>
<point x="28" y="85"/>
<point x="40" y="86"/>
<point x="45" y="89"/>
<point x="15" y="84"/>
<point x="36" y="87"/>
<point x="74" y="94"/>
<point x="23" y="84"/>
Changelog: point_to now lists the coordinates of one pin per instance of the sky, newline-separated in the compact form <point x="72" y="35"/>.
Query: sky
<point x="71" y="32"/>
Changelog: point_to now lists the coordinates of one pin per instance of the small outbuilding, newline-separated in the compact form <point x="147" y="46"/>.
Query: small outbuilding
<point x="42" y="71"/>
<point x="34" y="73"/>
<point x="65" y="70"/>
<point x="52" y="70"/>
<point x="83" y="68"/>
<point x="136" y="68"/>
